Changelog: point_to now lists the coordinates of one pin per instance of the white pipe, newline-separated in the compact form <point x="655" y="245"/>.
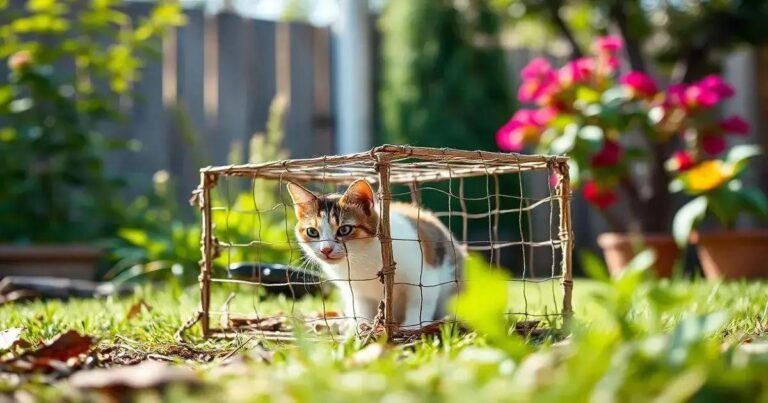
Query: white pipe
<point x="352" y="77"/>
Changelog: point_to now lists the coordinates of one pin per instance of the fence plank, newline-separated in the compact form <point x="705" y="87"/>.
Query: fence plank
<point x="232" y="106"/>
<point x="298" y="126"/>
<point x="322" y="119"/>
<point x="187" y="146"/>
<point x="261" y="74"/>
<point x="148" y="121"/>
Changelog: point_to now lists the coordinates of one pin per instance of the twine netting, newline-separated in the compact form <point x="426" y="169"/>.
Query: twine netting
<point x="510" y="212"/>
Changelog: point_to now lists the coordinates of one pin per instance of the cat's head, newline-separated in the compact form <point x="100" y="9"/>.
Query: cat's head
<point x="326" y="222"/>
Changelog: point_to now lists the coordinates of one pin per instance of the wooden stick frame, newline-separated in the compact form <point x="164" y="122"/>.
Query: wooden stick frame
<point x="386" y="165"/>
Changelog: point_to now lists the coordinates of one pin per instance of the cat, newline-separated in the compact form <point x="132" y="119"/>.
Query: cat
<point x="339" y="233"/>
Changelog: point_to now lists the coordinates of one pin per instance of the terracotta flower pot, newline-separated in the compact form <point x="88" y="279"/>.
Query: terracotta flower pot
<point x="618" y="251"/>
<point x="733" y="254"/>
<point x="68" y="261"/>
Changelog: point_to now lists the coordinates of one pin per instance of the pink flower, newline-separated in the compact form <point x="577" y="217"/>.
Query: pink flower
<point x="506" y="138"/>
<point x="714" y="83"/>
<point x="524" y="128"/>
<point x="680" y="161"/>
<point x="675" y="95"/>
<point x="544" y="115"/>
<point x="576" y="71"/>
<point x="735" y="124"/>
<point x="698" y="95"/>
<point x="608" y="65"/>
<point x="534" y="117"/>
<point x="608" y="44"/>
<point x="538" y="80"/>
<point x="537" y="69"/>
<point x="602" y="198"/>
<point x="639" y="83"/>
<point x="702" y="94"/>
<point x="608" y="156"/>
<point x="712" y="144"/>
<point x="535" y="91"/>
<point x="20" y="60"/>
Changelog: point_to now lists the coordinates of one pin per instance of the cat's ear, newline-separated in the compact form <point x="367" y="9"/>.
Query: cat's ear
<point x="304" y="201"/>
<point x="360" y="194"/>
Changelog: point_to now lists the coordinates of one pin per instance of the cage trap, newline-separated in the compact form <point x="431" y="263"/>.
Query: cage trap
<point x="508" y="212"/>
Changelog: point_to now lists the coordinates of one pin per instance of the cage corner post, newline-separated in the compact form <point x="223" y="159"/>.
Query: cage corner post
<point x="566" y="238"/>
<point x="207" y="247"/>
<point x="385" y="238"/>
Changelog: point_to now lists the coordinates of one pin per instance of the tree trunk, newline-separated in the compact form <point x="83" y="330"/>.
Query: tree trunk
<point x="554" y="11"/>
<point x="634" y="53"/>
<point x="656" y="213"/>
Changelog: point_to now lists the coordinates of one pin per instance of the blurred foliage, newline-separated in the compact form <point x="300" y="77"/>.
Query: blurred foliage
<point x="157" y="242"/>
<point x="689" y="38"/>
<point x="641" y="340"/>
<point x="445" y="81"/>
<point x="445" y="85"/>
<point x="69" y="65"/>
<point x="632" y="340"/>
<point x="484" y="303"/>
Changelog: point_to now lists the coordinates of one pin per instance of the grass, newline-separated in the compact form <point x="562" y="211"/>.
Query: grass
<point x="631" y="340"/>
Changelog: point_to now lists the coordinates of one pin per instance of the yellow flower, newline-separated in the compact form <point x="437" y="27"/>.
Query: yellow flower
<point x="708" y="175"/>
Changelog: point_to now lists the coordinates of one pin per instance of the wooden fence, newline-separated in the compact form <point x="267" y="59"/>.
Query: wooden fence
<point x="211" y="89"/>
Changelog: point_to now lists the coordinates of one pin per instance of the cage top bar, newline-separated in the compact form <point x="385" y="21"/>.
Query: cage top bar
<point x="408" y="165"/>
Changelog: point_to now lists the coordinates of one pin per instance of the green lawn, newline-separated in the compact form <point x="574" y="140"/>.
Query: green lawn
<point x="631" y="340"/>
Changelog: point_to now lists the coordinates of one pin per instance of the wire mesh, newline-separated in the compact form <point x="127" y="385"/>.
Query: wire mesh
<point x="436" y="212"/>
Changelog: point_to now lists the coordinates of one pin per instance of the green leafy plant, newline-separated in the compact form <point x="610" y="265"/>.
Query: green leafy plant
<point x="718" y="190"/>
<point x="483" y="305"/>
<point x="67" y="68"/>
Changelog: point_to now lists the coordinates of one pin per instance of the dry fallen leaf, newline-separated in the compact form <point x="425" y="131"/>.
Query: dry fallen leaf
<point x="267" y="323"/>
<point x="62" y="347"/>
<point x="148" y="374"/>
<point x="135" y="309"/>
<point x="59" y="354"/>
<point x="9" y="337"/>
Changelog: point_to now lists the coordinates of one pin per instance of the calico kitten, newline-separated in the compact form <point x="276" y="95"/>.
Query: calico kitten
<point x="339" y="233"/>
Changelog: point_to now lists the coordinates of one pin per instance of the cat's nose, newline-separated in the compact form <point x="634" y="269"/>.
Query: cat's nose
<point x="326" y="250"/>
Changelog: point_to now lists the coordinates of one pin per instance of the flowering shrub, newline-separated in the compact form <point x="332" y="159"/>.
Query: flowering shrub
<point x="583" y="109"/>
<point x="591" y="112"/>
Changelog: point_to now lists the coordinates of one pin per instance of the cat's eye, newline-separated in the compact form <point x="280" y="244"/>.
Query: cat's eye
<point x="344" y="230"/>
<point x="312" y="233"/>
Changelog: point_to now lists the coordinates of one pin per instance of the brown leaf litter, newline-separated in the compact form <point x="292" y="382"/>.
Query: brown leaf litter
<point x="64" y="353"/>
<point x="145" y="375"/>
<point x="136" y="309"/>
